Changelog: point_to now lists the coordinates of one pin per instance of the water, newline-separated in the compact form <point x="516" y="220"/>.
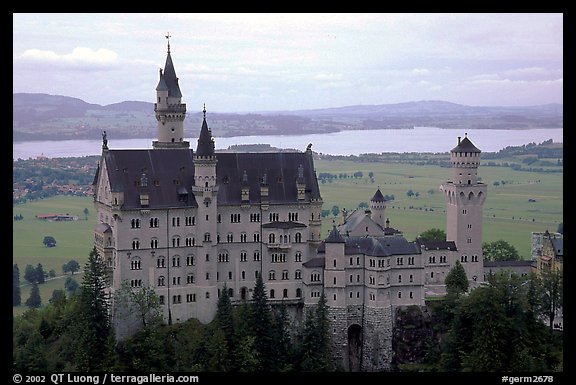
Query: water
<point x="419" y="139"/>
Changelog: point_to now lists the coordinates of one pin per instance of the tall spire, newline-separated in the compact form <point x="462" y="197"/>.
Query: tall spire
<point x="205" y="142"/>
<point x="168" y="38"/>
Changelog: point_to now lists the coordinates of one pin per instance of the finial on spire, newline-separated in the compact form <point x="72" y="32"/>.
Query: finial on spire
<point x="204" y="110"/>
<point x="168" y="38"/>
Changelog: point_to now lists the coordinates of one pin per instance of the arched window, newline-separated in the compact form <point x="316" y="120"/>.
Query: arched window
<point x="298" y="237"/>
<point x="272" y="238"/>
<point x="161" y="281"/>
<point x="298" y="293"/>
<point x="285" y="293"/>
<point x="272" y="293"/>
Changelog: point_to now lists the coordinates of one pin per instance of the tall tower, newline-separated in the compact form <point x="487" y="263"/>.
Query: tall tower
<point x="169" y="109"/>
<point x="206" y="194"/>
<point x="465" y="197"/>
<point x="378" y="208"/>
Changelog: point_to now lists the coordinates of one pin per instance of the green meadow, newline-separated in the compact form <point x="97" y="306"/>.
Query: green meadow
<point x="508" y="213"/>
<point x="73" y="240"/>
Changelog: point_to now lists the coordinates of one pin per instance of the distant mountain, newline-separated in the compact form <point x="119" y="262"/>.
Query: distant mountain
<point x="55" y="117"/>
<point x="423" y="108"/>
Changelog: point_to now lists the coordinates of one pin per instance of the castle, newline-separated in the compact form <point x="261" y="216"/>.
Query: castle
<point x="189" y="223"/>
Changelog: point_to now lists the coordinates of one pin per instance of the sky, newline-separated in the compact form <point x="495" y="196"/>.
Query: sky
<point x="244" y="62"/>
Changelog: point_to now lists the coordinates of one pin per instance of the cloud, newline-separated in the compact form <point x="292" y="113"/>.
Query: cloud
<point x="419" y="72"/>
<point x="80" y="57"/>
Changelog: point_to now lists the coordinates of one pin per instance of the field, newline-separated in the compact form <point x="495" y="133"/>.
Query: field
<point x="73" y="240"/>
<point x="508" y="214"/>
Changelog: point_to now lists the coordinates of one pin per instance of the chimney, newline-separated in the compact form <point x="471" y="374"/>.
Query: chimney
<point x="459" y="139"/>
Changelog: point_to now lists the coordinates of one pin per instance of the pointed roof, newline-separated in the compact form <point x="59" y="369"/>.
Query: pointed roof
<point x="465" y="145"/>
<point x="162" y="86"/>
<point x="170" y="78"/>
<point x="378" y="197"/>
<point x="334" y="236"/>
<point x="205" y="142"/>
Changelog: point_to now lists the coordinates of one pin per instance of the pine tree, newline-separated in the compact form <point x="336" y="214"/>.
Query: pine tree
<point x="282" y="343"/>
<point x="16" y="295"/>
<point x="34" y="300"/>
<point x="316" y="339"/>
<point x="224" y="317"/>
<point x="262" y="325"/>
<point x="456" y="280"/>
<point x="93" y="326"/>
<point x="40" y="276"/>
<point x="30" y="274"/>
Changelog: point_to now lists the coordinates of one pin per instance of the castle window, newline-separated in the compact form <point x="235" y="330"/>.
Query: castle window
<point x="411" y="295"/>
<point x="243" y="275"/>
<point x="334" y="297"/>
<point x="272" y="275"/>
<point x="334" y="280"/>
<point x="190" y="279"/>
<point x="350" y="294"/>
<point x="399" y="294"/>
<point x="229" y="275"/>
<point x="161" y="300"/>
<point x="153" y="222"/>
<point x="190" y="260"/>
<point x="285" y="275"/>
<point x="135" y="223"/>
<point x="243" y="238"/>
<point x="175" y="280"/>
<point x="400" y="278"/>
<point x="207" y="237"/>
<point x="207" y="295"/>
<point x="256" y="237"/>
<point x="351" y="261"/>
<point x="136" y="264"/>
<point x="334" y="262"/>
<point x="411" y="278"/>
<point x="298" y="257"/>
<point x="298" y="293"/>
<point x="297" y="274"/>
<point x="256" y="255"/>
<point x="272" y="238"/>
<point x="351" y="278"/>
<point x="243" y="255"/>
<point x="230" y="292"/>
<point x="272" y="294"/>
<point x="175" y="261"/>
<point x="298" y="238"/>
<point x="161" y="281"/>
<point x="207" y="276"/>
<point x="161" y="262"/>
<point x="135" y="244"/>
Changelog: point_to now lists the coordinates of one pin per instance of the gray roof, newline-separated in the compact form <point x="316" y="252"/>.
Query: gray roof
<point x="171" y="79"/>
<point x="334" y="236"/>
<point x="283" y="225"/>
<point x="504" y="264"/>
<point x="442" y="245"/>
<point x="465" y="145"/>
<point x="377" y="246"/>
<point x="378" y="197"/>
<point x="205" y="142"/>
<point x="103" y="228"/>
<point x="167" y="171"/>
<point x="315" y="262"/>
<point x="558" y="244"/>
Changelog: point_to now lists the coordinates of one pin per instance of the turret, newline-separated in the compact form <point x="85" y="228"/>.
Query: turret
<point x="169" y="109"/>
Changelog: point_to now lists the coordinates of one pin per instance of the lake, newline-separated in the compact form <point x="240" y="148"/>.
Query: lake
<point x="419" y="139"/>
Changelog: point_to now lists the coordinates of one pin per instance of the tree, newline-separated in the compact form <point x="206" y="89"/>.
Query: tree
<point x="335" y="210"/>
<point x="49" y="241"/>
<point x="57" y="295"/>
<point x="552" y="286"/>
<point x="499" y="251"/>
<point x="71" y="266"/>
<point x="16" y="296"/>
<point x="34" y="300"/>
<point x="30" y="274"/>
<point x="92" y="347"/>
<point x="433" y="235"/>
<point x="137" y="305"/>
<point x="315" y="344"/>
<point x="224" y="318"/>
<point x="40" y="275"/>
<point x="52" y="273"/>
<point x="363" y="205"/>
<point x="456" y="280"/>
<point x="86" y="213"/>
<point x="71" y="285"/>
<point x="409" y="193"/>
<point x="262" y="325"/>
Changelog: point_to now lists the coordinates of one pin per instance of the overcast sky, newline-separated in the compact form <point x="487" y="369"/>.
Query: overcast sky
<point x="256" y="62"/>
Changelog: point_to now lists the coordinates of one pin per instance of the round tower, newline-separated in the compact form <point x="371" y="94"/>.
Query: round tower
<point x="465" y="197"/>
<point x="378" y="208"/>
<point x="169" y="109"/>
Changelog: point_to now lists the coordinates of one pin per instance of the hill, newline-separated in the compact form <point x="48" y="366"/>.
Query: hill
<point x="57" y="117"/>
